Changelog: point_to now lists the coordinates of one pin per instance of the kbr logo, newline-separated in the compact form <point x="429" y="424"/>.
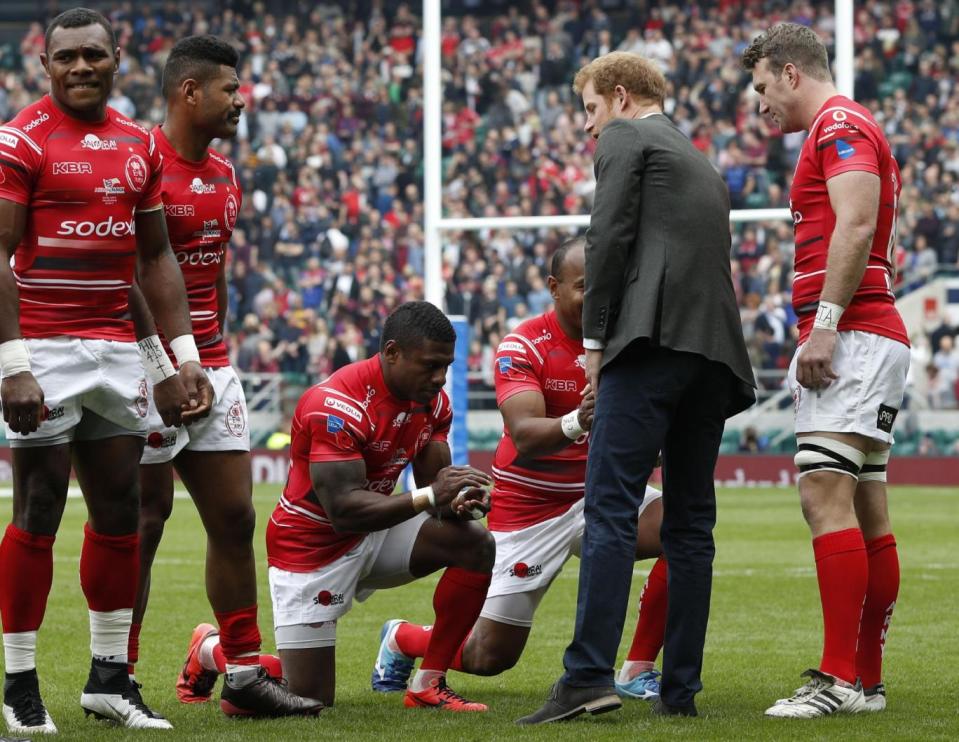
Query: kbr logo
<point x="325" y="598"/>
<point x="72" y="168"/>
<point x="179" y="210"/>
<point x="109" y="228"/>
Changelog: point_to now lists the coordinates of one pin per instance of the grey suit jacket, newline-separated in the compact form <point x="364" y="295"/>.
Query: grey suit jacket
<point x="658" y="250"/>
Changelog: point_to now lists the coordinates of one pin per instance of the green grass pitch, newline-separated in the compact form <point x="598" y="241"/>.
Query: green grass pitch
<point x="765" y="629"/>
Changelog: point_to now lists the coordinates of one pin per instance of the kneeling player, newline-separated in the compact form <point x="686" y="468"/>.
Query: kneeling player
<point x="337" y="533"/>
<point x="537" y="516"/>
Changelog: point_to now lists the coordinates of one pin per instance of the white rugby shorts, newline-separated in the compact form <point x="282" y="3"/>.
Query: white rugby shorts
<point x="866" y="397"/>
<point x="380" y="560"/>
<point x="528" y="560"/>
<point x="226" y="428"/>
<point x="92" y="389"/>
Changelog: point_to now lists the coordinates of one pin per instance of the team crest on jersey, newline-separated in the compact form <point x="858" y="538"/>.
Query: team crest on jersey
<point x="141" y="403"/>
<point x="92" y="141"/>
<point x="110" y="190"/>
<point x="235" y="420"/>
<point x="136" y="172"/>
<point x="230" y="210"/>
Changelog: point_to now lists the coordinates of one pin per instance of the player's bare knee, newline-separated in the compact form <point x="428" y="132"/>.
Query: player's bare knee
<point x="233" y="524"/>
<point x="40" y="513"/>
<point x="478" y="551"/>
<point x="490" y="659"/>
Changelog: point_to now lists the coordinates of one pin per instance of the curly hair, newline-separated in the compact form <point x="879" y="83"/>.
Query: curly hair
<point x="78" y="18"/>
<point x="415" y="321"/>
<point x="196" y="57"/>
<point x="785" y="43"/>
<point x="640" y="76"/>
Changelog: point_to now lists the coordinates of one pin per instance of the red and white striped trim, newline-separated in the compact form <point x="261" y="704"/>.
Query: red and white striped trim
<point x="17" y="133"/>
<point x="297" y="510"/>
<point x="542" y="484"/>
<point x="526" y="341"/>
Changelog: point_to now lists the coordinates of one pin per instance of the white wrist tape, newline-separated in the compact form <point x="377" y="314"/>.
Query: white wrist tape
<point x="14" y="357"/>
<point x="184" y="349"/>
<point x="474" y="513"/>
<point x="155" y="361"/>
<point x="570" y="425"/>
<point x="827" y="316"/>
<point x="423" y="498"/>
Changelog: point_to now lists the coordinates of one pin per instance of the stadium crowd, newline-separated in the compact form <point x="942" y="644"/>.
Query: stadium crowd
<point x="329" y="154"/>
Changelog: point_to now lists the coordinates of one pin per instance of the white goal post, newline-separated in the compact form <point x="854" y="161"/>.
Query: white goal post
<point x="435" y="224"/>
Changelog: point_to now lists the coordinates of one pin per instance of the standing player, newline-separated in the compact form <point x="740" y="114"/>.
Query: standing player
<point x="537" y="516"/>
<point x="849" y="372"/>
<point x="337" y="533"/>
<point x="201" y="199"/>
<point x="80" y="209"/>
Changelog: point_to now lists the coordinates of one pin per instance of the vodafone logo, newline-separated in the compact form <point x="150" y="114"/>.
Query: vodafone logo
<point x="230" y="210"/>
<point x="109" y="228"/>
<point x="136" y="172"/>
<point x="839" y="116"/>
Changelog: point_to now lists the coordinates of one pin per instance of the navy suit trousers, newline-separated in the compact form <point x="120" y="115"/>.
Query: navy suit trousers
<point x="650" y="399"/>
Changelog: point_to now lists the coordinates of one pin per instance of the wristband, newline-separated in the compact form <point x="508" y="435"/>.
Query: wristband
<point x="827" y="316"/>
<point x="14" y="357"/>
<point x="156" y="364"/>
<point x="570" y="425"/>
<point x="184" y="349"/>
<point x="423" y="498"/>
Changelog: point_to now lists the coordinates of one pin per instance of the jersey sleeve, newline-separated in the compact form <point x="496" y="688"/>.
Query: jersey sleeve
<point x="152" y="198"/>
<point x="338" y="430"/>
<point x="848" y="147"/>
<point x="442" y="418"/>
<point x="20" y="162"/>
<point x="518" y="368"/>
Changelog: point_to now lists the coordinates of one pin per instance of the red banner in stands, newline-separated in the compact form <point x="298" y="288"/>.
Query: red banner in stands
<point x="731" y="471"/>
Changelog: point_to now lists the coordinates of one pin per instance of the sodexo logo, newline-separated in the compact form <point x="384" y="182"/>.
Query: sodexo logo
<point x="109" y="228"/>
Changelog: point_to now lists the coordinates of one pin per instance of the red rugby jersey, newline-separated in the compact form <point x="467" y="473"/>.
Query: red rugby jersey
<point x="845" y="137"/>
<point x="201" y="201"/>
<point x="350" y="416"/>
<point x="82" y="184"/>
<point x="538" y="356"/>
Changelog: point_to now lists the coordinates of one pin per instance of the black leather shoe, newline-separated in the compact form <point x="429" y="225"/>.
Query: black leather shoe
<point x="567" y="702"/>
<point x="664" y="709"/>
<point x="267" y="697"/>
